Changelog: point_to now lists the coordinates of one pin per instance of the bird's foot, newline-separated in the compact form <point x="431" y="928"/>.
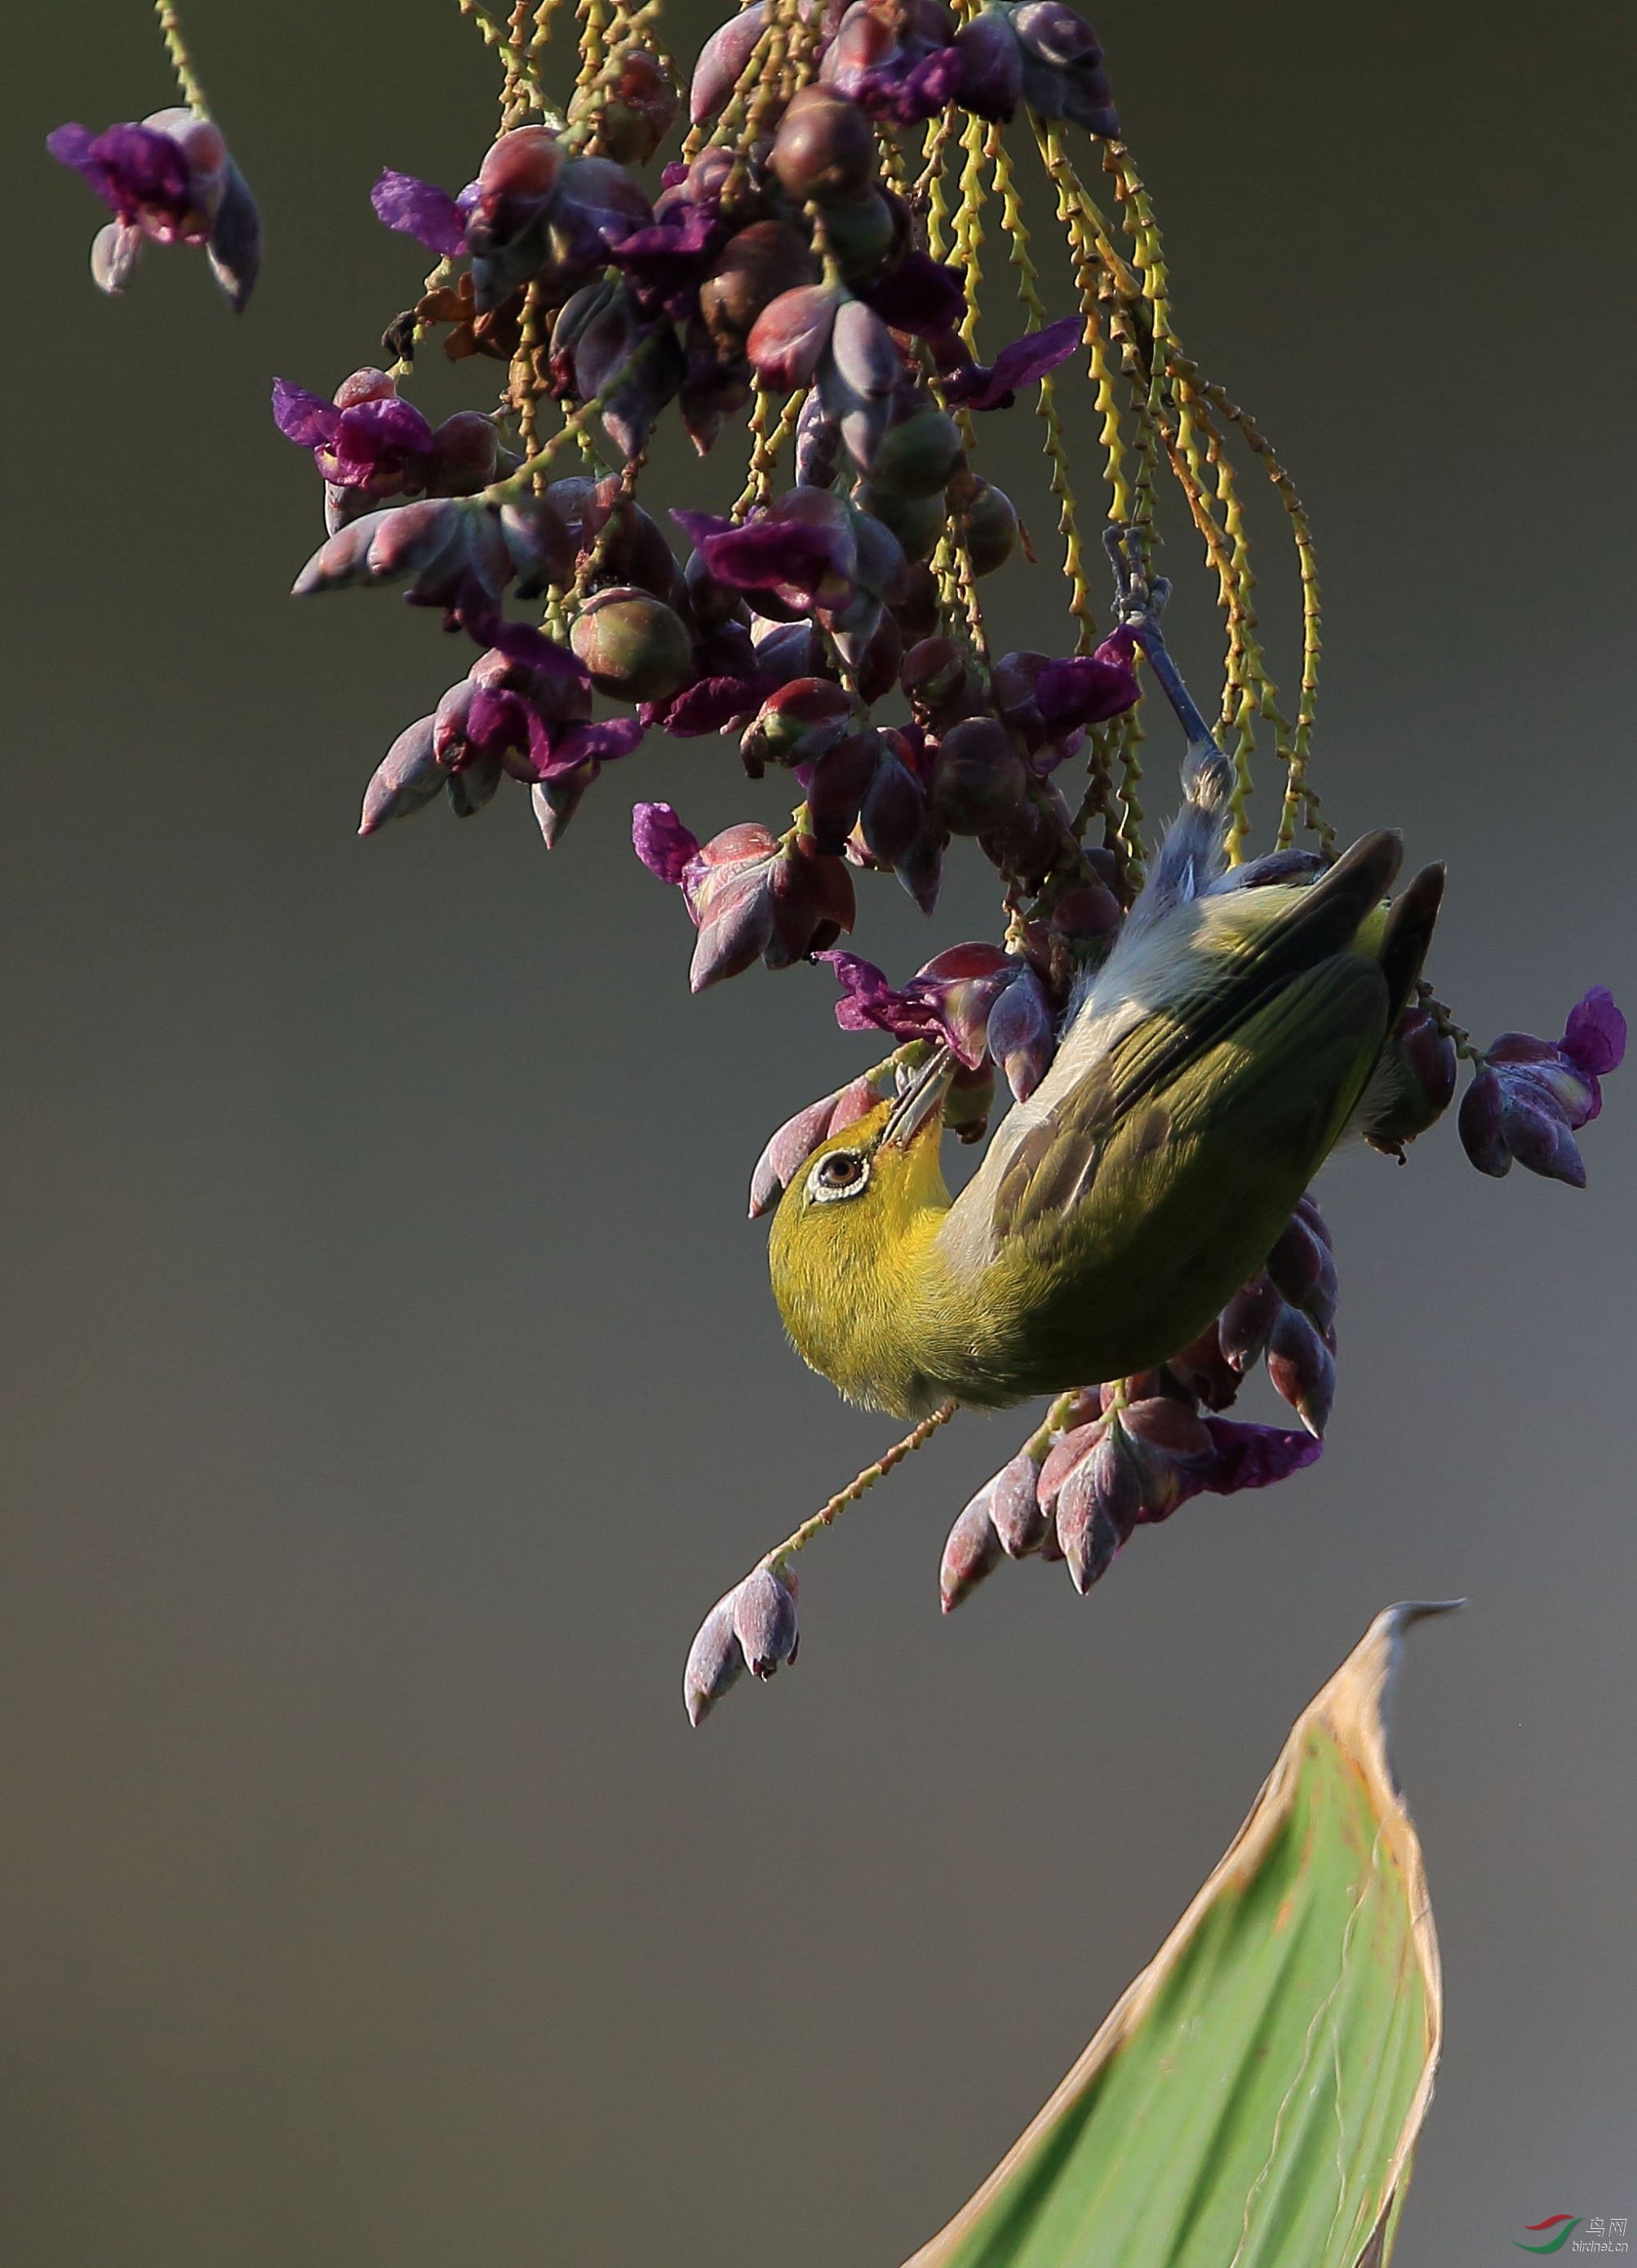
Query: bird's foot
<point x="1139" y="601"/>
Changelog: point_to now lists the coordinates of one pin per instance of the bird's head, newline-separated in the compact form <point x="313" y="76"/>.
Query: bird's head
<point x="850" y="1229"/>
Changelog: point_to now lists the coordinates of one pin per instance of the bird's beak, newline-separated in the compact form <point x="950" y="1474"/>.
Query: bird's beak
<point x="921" y="1103"/>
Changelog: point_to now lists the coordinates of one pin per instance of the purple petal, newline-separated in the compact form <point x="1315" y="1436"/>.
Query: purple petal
<point x="305" y="418"/>
<point x="599" y="744"/>
<point x="869" y="1004"/>
<point x="70" y="145"/>
<point x="683" y="231"/>
<point x="1023" y="362"/>
<point x="699" y="526"/>
<point x="772" y="554"/>
<point x="384" y="425"/>
<point x="662" y="841"/>
<point x="1085" y="690"/>
<point x="1595" y="1040"/>
<point x="535" y="650"/>
<point x="708" y="705"/>
<point x="1253" y="1456"/>
<point x="421" y="209"/>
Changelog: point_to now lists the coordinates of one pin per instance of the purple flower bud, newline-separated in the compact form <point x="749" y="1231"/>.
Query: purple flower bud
<point x="1595" y="1039"/>
<point x="799" y="720"/>
<point x="114" y="250"/>
<point x="715" y="1662"/>
<point x="475" y="785"/>
<point x="836" y="784"/>
<point x="787" y="1152"/>
<point x="764" y="1621"/>
<point x="407" y="779"/>
<point x="555" y="802"/>
<point x="1091" y="688"/>
<point x="537" y="543"/>
<point x="1302" y="1269"/>
<point x="1481" y="1123"/>
<point x="757" y="269"/>
<point x="972" y="1551"/>
<point x="1302" y="1369"/>
<point x="1418" y="1073"/>
<point x="895" y="62"/>
<point x="737" y="931"/>
<point x="894" y="811"/>
<point x="1530" y="1097"/>
<point x="722" y="61"/>
<point x="790" y="336"/>
<point x="451" y="553"/>
<point x="992" y="66"/>
<point x="818" y="444"/>
<point x="1203" y="1372"/>
<point x="515" y="187"/>
<point x="1097" y="1507"/>
<point x="1062" y="65"/>
<point x="1014" y="1507"/>
<point x="1022" y="1035"/>
<point x="979" y="779"/>
<point x="234" y="250"/>
<point x="920" y="870"/>
<point x="1247" y="1323"/>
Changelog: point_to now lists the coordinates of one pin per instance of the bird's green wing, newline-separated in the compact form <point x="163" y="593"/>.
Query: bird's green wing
<point x="1284" y="1077"/>
<point x="1296" y="993"/>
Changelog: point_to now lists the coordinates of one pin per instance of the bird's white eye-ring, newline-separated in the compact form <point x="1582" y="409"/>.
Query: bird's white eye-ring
<point x="838" y="1174"/>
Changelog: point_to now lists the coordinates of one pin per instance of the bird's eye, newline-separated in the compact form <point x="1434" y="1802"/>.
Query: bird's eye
<point x="838" y="1174"/>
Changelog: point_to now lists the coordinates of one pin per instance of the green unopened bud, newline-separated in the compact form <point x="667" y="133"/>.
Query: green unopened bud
<point x="636" y="647"/>
<point x="989" y="524"/>
<point x="918" y="457"/>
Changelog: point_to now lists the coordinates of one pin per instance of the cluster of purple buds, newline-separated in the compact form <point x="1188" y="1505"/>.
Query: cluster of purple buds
<point x="754" y="1628"/>
<point x="456" y="553"/>
<point x="369" y="445"/>
<point x="1531" y="1097"/>
<point x="752" y="896"/>
<point x="523" y="711"/>
<point x="168" y="180"/>
<point x="535" y="213"/>
<point x="1286" y="1314"/>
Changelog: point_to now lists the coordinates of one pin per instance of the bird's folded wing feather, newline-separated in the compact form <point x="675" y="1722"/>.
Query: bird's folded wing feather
<point x="1051" y="1166"/>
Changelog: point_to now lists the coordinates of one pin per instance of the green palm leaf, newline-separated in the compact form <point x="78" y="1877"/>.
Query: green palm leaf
<point x="1253" y="2100"/>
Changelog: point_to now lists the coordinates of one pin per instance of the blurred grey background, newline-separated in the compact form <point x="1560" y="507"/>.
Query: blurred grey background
<point x="390" y="1379"/>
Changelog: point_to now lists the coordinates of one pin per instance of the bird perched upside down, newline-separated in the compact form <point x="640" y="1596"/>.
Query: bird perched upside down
<point x="1205" y="1073"/>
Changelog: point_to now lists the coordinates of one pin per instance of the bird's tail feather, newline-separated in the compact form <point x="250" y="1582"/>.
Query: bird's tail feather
<point x="1408" y="934"/>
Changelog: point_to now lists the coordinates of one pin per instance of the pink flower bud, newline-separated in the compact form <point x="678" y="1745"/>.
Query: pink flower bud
<point x="715" y="1662"/>
<point x="407" y="779"/>
<point x="972" y="1551"/>
<point x="1014" y="1507"/>
<point x="1303" y="1370"/>
<point x="764" y="1621"/>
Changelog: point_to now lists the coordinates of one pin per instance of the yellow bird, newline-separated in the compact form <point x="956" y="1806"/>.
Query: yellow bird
<point x="1203" y="1075"/>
